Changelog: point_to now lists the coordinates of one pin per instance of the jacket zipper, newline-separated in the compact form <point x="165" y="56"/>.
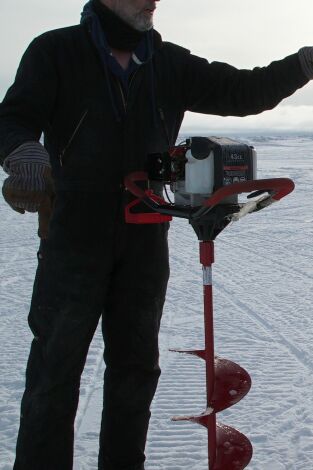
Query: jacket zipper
<point x="167" y="135"/>
<point x="131" y="81"/>
<point x="125" y="99"/>
<point x="77" y="128"/>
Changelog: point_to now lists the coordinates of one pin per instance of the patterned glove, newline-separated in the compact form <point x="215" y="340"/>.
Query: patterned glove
<point x="29" y="186"/>
<point x="306" y="60"/>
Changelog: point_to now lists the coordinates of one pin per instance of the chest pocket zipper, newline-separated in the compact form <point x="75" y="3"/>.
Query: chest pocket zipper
<point x="77" y="128"/>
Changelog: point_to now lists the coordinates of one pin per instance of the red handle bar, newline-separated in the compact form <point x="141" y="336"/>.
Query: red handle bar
<point x="277" y="187"/>
<point x="129" y="182"/>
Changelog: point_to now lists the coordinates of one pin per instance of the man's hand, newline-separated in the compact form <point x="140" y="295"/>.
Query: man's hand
<point x="29" y="186"/>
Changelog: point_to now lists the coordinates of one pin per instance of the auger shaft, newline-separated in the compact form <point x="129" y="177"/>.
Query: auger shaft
<point x="207" y="259"/>
<point x="227" y="448"/>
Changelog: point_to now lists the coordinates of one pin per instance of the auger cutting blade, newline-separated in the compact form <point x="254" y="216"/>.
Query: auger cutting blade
<point x="199" y="419"/>
<point x="231" y="384"/>
<point x="233" y="449"/>
<point x="193" y="352"/>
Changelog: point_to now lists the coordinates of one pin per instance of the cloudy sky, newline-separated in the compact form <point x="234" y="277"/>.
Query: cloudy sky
<point x="244" y="33"/>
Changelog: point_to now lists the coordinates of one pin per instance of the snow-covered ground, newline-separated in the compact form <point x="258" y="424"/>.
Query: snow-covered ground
<point x="263" y="298"/>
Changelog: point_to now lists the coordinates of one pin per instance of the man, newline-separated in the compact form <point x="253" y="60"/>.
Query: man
<point x="106" y="94"/>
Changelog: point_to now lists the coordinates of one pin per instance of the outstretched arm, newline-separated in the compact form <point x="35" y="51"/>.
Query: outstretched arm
<point x="220" y="89"/>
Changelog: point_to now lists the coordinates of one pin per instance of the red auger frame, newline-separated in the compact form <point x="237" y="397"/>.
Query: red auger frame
<point x="226" y="382"/>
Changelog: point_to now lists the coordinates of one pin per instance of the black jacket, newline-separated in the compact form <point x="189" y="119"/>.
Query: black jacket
<point x="61" y="84"/>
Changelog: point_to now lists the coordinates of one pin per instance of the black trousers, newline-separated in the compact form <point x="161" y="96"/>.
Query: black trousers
<point x="93" y="265"/>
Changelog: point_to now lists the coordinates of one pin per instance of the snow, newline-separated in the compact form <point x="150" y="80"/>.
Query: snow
<point x="263" y="300"/>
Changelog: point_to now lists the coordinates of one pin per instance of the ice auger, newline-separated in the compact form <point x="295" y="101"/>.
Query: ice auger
<point x="226" y="382"/>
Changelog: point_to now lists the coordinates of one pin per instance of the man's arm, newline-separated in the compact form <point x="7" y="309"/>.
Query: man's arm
<point x="24" y="114"/>
<point x="220" y="89"/>
<point x="27" y="107"/>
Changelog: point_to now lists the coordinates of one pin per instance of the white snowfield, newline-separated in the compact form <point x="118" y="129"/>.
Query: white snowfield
<point x="263" y="297"/>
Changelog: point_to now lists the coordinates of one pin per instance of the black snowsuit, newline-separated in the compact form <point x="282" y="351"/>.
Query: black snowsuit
<point x="94" y="264"/>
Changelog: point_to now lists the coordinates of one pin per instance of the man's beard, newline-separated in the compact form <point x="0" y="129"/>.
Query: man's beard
<point x="138" y="21"/>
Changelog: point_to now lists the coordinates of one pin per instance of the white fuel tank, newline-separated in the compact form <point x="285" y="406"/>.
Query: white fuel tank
<point x="199" y="174"/>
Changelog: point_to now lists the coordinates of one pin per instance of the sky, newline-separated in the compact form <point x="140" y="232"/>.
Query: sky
<point x="243" y="33"/>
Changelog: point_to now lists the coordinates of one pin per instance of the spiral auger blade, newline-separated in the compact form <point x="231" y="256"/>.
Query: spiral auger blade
<point x="226" y="384"/>
<point x="233" y="451"/>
